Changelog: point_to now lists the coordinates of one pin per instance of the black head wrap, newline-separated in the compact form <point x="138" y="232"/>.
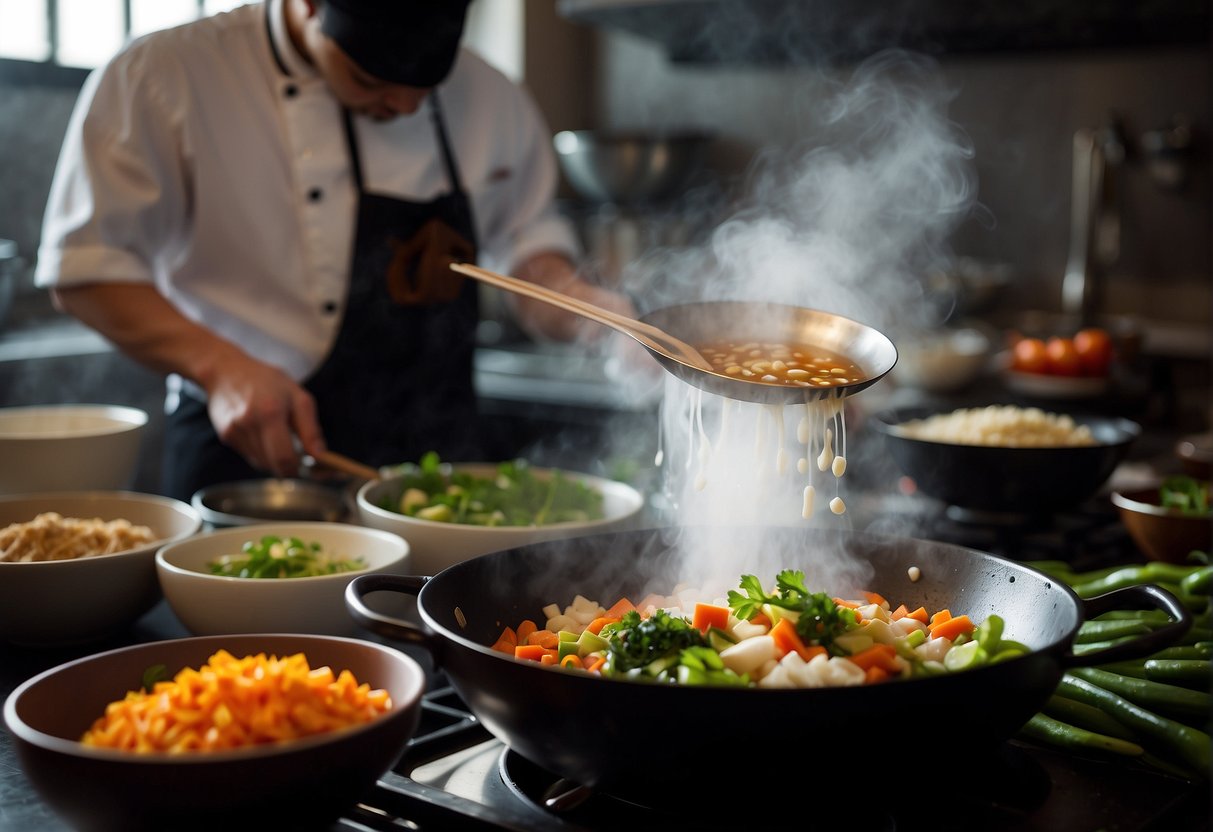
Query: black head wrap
<point x="411" y="42"/>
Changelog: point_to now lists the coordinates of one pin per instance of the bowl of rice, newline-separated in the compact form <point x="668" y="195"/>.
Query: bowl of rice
<point x="251" y="731"/>
<point x="77" y="567"/>
<point x="1004" y="458"/>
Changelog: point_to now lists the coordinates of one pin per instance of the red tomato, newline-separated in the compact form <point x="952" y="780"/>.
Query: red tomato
<point x="1063" y="357"/>
<point x="1029" y="356"/>
<point x="1094" y="348"/>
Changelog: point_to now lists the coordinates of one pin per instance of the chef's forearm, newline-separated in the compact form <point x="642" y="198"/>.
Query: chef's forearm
<point x="141" y="323"/>
<point x="542" y="320"/>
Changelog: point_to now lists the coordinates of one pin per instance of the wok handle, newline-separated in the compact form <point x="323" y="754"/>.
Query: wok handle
<point x="357" y="590"/>
<point x="1134" y="597"/>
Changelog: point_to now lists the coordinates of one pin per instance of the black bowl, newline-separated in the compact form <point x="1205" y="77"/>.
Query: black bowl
<point x="1008" y="480"/>
<point x="304" y="783"/>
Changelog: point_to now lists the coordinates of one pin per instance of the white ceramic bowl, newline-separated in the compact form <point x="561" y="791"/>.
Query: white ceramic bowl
<point x="210" y="604"/>
<point x="437" y="545"/>
<point x="86" y="599"/>
<point x="944" y="361"/>
<point x="73" y="447"/>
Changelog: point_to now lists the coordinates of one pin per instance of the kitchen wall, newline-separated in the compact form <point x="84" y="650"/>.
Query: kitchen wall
<point x="1020" y="111"/>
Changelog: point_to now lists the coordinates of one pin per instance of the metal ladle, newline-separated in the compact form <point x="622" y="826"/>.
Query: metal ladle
<point x="668" y="334"/>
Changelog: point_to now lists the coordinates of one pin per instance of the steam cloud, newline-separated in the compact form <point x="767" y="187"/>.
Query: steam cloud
<point x="847" y="223"/>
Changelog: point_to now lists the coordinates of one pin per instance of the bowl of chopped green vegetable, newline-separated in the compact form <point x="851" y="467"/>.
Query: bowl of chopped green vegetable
<point x="274" y="577"/>
<point x="1168" y="522"/>
<point x="451" y="512"/>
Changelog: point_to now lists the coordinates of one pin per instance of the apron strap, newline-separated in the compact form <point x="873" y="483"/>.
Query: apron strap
<point x="444" y="145"/>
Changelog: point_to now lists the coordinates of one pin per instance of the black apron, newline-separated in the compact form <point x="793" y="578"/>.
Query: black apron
<point x="398" y="379"/>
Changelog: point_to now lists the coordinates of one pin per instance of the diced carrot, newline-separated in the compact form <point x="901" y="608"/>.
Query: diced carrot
<point x="548" y="658"/>
<point x="848" y="604"/>
<point x="763" y="619"/>
<point x="532" y="652"/>
<point x="508" y="635"/>
<point x="597" y="624"/>
<point x="787" y="640"/>
<point x="878" y="655"/>
<point x="875" y="598"/>
<point x="952" y="627"/>
<point x="596" y="665"/>
<point x="899" y="613"/>
<point x="544" y="638"/>
<point x="875" y="674"/>
<point x="525" y="629"/>
<point x="503" y="646"/>
<point x="572" y="660"/>
<point x="619" y="608"/>
<point x="919" y="614"/>
<point x="709" y="615"/>
<point x="940" y="617"/>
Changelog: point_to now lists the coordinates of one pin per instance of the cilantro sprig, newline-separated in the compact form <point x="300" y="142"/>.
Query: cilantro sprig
<point x="819" y="620"/>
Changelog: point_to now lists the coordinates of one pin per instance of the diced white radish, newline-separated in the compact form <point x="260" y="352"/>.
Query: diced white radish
<point x="879" y="631"/>
<point x="906" y="625"/>
<point x="854" y="642"/>
<point x="749" y="655"/>
<point x="933" y="649"/>
<point x="743" y="630"/>
<point x="843" y="672"/>
<point x="581" y="603"/>
<point x="874" y="611"/>
<point x="562" y="622"/>
<point x="777" y="678"/>
<point x="551" y="611"/>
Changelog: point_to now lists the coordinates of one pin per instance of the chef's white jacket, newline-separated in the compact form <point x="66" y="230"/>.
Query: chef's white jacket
<point x="193" y="163"/>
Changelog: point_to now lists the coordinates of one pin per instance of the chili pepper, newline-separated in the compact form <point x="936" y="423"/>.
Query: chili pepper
<point x="1190" y="744"/>
<point x="1048" y="731"/>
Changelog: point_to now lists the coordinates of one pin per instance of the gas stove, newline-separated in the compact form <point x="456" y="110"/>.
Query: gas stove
<point x="455" y="775"/>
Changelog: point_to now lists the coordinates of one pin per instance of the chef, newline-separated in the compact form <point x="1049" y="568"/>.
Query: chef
<point x="263" y="205"/>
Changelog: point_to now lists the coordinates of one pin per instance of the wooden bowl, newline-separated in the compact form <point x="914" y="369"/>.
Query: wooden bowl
<point x="1164" y="534"/>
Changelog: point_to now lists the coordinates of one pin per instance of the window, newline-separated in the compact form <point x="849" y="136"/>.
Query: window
<point x="85" y="33"/>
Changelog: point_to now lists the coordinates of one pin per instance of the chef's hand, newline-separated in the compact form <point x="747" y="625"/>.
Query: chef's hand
<point x="258" y="410"/>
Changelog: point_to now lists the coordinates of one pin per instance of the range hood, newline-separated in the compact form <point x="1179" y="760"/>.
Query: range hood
<point x="789" y="32"/>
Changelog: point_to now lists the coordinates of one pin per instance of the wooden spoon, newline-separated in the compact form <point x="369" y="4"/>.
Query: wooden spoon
<point x="650" y="337"/>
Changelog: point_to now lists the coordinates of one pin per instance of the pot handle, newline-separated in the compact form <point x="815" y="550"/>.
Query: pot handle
<point x="1134" y="597"/>
<point x="385" y="625"/>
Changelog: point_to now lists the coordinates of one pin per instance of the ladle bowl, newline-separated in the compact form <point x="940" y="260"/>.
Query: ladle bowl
<point x="710" y="321"/>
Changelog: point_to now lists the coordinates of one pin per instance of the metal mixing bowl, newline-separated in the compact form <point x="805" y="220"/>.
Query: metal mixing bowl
<point x="245" y="502"/>
<point x="628" y="168"/>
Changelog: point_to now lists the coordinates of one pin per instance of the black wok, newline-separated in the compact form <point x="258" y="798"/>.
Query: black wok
<point x="651" y="743"/>
<point x="1009" y="480"/>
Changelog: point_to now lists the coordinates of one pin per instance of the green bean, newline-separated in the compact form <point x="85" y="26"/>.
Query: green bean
<point x="1154" y="572"/>
<point x="1156" y="617"/>
<point x="1170" y="699"/>
<point x="1085" y="716"/>
<point x="1190" y="744"/>
<point x="1187" y="651"/>
<point x="1134" y="667"/>
<point x="1188" y="673"/>
<point x="1096" y="631"/>
<point x="1048" y="731"/>
<point x="1197" y="635"/>
<point x="1093" y="647"/>
<point x="1199" y="581"/>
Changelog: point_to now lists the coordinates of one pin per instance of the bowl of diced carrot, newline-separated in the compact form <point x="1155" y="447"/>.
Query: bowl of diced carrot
<point x="273" y="731"/>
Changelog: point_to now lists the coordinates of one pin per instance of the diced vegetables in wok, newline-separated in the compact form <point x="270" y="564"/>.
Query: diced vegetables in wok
<point x="787" y="637"/>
